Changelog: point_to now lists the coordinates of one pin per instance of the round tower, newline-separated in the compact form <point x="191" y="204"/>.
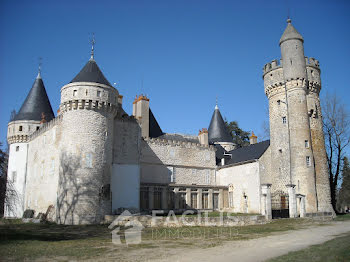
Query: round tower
<point x="317" y="135"/>
<point x="88" y="107"/>
<point x="35" y="110"/>
<point x="286" y="87"/>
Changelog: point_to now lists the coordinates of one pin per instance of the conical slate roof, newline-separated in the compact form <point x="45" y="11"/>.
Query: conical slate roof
<point x="36" y="103"/>
<point x="290" y="33"/>
<point x="217" y="129"/>
<point x="91" y="73"/>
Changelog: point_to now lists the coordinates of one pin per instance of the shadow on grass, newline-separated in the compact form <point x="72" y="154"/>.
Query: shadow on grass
<point x="50" y="232"/>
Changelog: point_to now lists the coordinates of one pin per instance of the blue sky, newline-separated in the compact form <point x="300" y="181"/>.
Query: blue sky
<point x="186" y="52"/>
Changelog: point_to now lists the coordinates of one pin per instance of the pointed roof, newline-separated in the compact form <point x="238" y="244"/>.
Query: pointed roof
<point x="36" y="103"/>
<point x="154" y="128"/>
<point x="217" y="129"/>
<point x="91" y="73"/>
<point x="290" y="33"/>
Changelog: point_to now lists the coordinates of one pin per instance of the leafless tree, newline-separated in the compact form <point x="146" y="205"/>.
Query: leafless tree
<point x="336" y="127"/>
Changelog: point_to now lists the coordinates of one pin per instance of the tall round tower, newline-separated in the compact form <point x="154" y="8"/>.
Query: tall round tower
<point x="317" y="136"/>
<point x="88" y="107"/>
<point x="286" y="88"/>
<point x="35" y="110"/>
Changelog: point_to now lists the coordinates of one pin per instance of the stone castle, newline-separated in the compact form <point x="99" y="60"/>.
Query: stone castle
<point x="93" y="159"/>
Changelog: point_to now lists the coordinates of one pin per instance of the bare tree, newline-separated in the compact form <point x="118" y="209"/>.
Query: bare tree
<point x="336" y="127"/>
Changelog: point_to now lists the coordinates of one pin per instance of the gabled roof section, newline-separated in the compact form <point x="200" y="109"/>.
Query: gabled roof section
<point x="154" y="128"/>
<point x="290" y="33"/>
<point x="217" y="129"/>
<point x="248" y="153"/>
<point x="91" y="73"/>
<point x="36" y="104"/>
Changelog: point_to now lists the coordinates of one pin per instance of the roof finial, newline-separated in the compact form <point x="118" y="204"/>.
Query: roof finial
<point x="216" y="103"/>
<point x="39" y="68"/>
<point x="92" y="46"/>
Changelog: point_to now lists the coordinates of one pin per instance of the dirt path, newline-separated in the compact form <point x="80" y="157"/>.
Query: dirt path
<point x="264" y="248"/>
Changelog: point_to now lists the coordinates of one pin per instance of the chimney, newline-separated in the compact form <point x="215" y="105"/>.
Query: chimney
<point x="253" y="139"/>
<point x="203" y="137"/>
<point x="140" y="110"/>
<point x="120" y="99"/>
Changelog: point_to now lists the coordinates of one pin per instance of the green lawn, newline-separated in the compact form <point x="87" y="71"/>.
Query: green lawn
<point x="342" y="217"/>
<point x="20" y="241"/>
<point x="336" y="250"/>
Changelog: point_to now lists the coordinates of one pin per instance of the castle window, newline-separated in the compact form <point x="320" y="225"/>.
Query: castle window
<point x="88" y="160"/>
<point x="86" y="92"/>
<point x="37" y="128"/>
<point x="284" y="120"/>
<point x="75" y="92"/>
<point x="20" y="128"/>
<point x="307" y="144"/>
<point x="207" y="177"/>
<point x="14" y="176"/>
<point x="52" y="166"/>
<point x="280" y="150"/>
<point x="308" y="161"/>
<point x="98" y="93"/>
<point x="171" y="173"/>
<point x="17" y="148"/>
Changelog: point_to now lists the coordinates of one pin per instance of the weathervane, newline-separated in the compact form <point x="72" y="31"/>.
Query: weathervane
<point x="39" y="67"/>
<point x="92" y="45"/>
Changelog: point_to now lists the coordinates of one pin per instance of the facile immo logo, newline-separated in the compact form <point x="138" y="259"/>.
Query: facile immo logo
<point x="129" y="225"/>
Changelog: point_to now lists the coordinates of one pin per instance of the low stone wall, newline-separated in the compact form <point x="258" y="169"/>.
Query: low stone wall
<point x="180" y="221"/>
<point x="324" y="216"/>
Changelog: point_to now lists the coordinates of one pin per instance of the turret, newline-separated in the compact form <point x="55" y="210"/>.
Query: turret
<point x="35" y="109"/>
<point x="218" y="133"/>
<point x="88" y="106"/>
<point x="292" y="51"/>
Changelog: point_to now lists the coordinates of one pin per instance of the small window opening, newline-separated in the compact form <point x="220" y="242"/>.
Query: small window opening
<point x="291" y="62"/>
<point x="17" y="148"/>
<point x="308" y="161"/>
<point x="280" y="150"/>
<point x="98" y="93"/>
<point x="270" y="74"/>
<point x="14" y="176"/>
<point x="37" y="128"/>
<point x="284" y="120"/>
<point x="86" y="92"/>
<point x="307" y="144"/>
<point x="75" y="92"/>
<point x="20" y="128"/>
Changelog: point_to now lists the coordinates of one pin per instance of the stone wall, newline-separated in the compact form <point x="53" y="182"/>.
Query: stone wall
<point x="188" y="163"/>
<point x="245" y="186"/>
<point x="43" y="167"/>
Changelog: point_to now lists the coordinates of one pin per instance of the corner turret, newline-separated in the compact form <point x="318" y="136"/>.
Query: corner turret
<point x="34" y="109"/>
<point x="218" y="133"/>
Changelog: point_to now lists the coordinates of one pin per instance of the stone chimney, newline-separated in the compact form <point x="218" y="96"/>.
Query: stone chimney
<point x="203" y="137"/>
<point x="140" y="110"/>
<point x="253" y="139"/>
<point x="120" y="99"/>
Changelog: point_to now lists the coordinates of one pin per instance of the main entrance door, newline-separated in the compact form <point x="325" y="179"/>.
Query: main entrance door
<point x="280" y="205"/>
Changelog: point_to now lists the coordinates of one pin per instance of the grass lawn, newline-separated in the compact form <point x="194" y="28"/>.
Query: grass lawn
<point x="335" y="250"/>
<point x="342" y="217"/>
<point x="20" y="241"/>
